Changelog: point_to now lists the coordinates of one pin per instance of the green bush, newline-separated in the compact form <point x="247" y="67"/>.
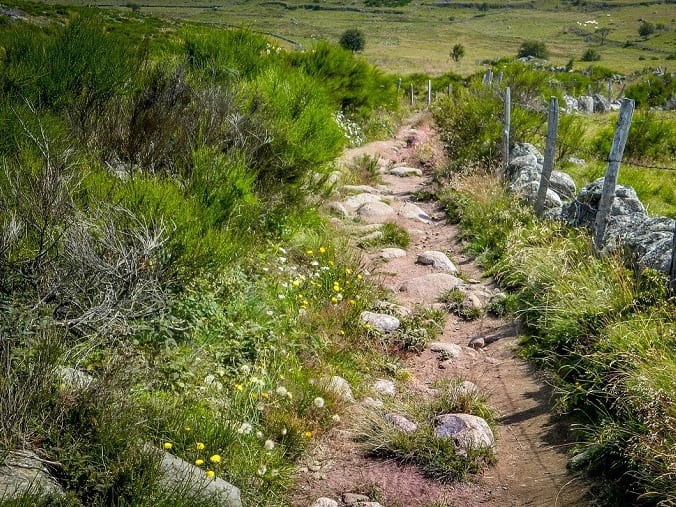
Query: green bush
<point x="533" y="48"/>
<point x="652" y="92"/>
<point x="591" y="55"/>
<point x="353" y="40"/>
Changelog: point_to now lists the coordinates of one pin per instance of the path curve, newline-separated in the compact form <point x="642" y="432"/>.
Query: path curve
<point x="531" y="443"/>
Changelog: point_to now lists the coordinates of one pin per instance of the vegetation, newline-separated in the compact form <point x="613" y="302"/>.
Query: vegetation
<point x="591" y="55"/>
<point x="353" y="40"/>
<point x="646" y="29"/>
<point x="457" y="53"/>
<point x="534" y="49"/>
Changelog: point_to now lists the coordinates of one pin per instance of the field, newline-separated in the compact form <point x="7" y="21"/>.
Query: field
<point x="418" y="37"/>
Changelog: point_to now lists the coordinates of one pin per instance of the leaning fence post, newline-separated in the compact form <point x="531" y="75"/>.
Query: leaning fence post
<point x="550" y="148"/>
<point x="672" y="270"/>
<point x="429" y="92"/>
<point x="610" y="180"/>
<point x="506" y="125"/>
<point x="411" y="93"/>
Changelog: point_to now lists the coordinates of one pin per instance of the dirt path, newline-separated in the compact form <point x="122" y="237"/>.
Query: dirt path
<point x="530" y="448"/>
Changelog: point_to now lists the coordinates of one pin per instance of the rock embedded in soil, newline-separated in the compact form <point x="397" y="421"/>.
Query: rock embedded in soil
<point x="360" y="189"/>
<point x="449" y="349"/>
<point x="375" y="212"/>
<point x="22" y="472"/>
<point x="466" y="387"/>
<point x="381" y="321"/>
<point x="438" y="260"/>
<point x="384" y="386"/>
<point x="388" y="254"/>
<point x="324" y="502"/>
<point x="340" y="387"/>
<point x="430" y="287"/>
<point x="404" y="171"/>
<point x="371" y="236"/>
<point x="338" y="209"/>
<point x="402" y="423"/>
<point x="414" y="212"/>
<point x="467" y="431"/>
<point x="372" y="403"/>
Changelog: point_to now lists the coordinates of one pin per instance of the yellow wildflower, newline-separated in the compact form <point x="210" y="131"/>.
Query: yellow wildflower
<point x="199" y="462"/>
<point x="309" y="252"/>
<point x="167" y="446"/>
<point x="187" y="428"/>
<point x="322" y="249"/>
<point x="199" y="446"/>
<point x="210" y="473"/>
<point x="216" y="458"/>
<point x="239" y="387"/>
<point x="307" y="434"/>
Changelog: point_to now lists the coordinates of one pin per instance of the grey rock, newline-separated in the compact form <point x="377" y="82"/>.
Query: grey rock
<point x="380" y="321"/>
<point x="372" y="236"/>
<point x="75" y="379"/>
<point x="401" y="423"/>
<point x="448" y="349"/>
<point x="353" y="498"/>
<point x="338" y="209"/>
<point x="582" y="211"/>
<point x="359" y="189"/>
<point x="23" y="472"/>
<point x="367" y="504"/>
<point x="413" y="212"/>
<point x="324" y="502"/>
<point x="438" y="260"/>
<point x="601" y="104"/>
<point x="375" y="212"/>
<point x="466" y="387"/>
<point x="477" y="343"/>
<point x="467" y="431"/>
<point x="391" y="253"/>
<point x="647" y="241"/>
<point x="563" y="184"/>
<point x="178" y="475"/>
<point x="404" y="171"/>
<point x="399" y="310"/>
<point x="585" y="104"/>
<point x="340" y="387"/>
<point x="522" y="149"/>
<point x="355" y="202"/>
<point x="571" y="103"/>
<point x="384" y="386"/>
<point x="429" y="288"/>
<point x="372" y="402"/>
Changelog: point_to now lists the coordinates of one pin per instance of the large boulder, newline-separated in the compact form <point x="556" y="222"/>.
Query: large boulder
<point x="467" y="431"/>
<point x="582" y="211"/>
<point x="522" y="149"/>
<point x="526" y="169"/>
<point x="24" y="472"/>
<point x="648" y="241"/>
<point x="585" y="104"/>
<point x="601" y="104"/>
<point x="571" y="104"/>
<point x="380" y="321"/>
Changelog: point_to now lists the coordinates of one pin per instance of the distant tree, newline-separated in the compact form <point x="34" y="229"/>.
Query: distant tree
<point x="483" y="7"/>
<point x="457" y="52"/>
<point x="603" y="34"/>
<point x="591" y="55"/>
<point x="646" y="29"/>
<point x="533" y="48"/>
<point x="353" y="40"/>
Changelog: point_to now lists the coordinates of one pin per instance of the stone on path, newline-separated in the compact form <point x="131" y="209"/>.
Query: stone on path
<point x="324" y="502"/>
<point x="375" y="212"/>
<point x="391" y="253"/>
<point x="22" y="472"/>
<point x="430" y="287"/>
<point x="381" y="321"/>
<point x="355" y="202"/>
<point x="401" y="423"/>
<point x="414" y="212"/>
<point x="403" y="171"/>
<point x="338" y="209"/>
<point x="467" y="431"/>
<point x="372" y="403"/>
<point x="179" y="475"/>
<point x="449" y="349"/>
<point x="477" y="343"/>
<point x="353" y="498"/>
<point x="360" y="189"/>
<point x="371" y="237"/>
<point x="384" y="386"/>
<point x="340" y="387"/>
<point x="438" y="260"/>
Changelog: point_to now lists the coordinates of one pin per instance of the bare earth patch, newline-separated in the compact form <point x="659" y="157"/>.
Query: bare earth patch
<point x="531" y="444"/>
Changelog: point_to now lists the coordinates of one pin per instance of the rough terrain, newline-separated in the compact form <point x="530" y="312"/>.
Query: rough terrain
<point x="531" y="443"/>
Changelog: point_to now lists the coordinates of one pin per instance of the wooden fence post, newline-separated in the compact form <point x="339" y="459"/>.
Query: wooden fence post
<point x="550" y="150"/>
<point x="450" y="89"/>
<point x="610" y="180"/>
<point x="398" y="85"/>
<point x="429" y="92"/>
<point x="672" y="270"/>
<point x="411" y="93"/>
<point x="506" y="125"/>
<point x="610" y="90"/>
<point x="488" y="77"/>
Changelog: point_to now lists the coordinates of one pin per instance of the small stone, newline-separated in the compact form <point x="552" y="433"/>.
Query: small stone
<point x="367" y="504"/>
<point x="355" y="202"/>
<point x="341" y="387"/>
<point x="353" y="498"/>
<point x="324" y="502"/>
<point x="466" y="387"/>
<point x="391" y="253"/>
<point x="448" y="349"/>
<point x="381" y="321"/>
<point x="314" y="468"/>
<point x="375" y="212"/>
<point x="372" y="236"/>
<point x="383" y="386"/>
<point x="338" y="209"/>
<point x="402" y="423"/>
<point x="75" y="379"/>
<point x="414" y="212"/>
<point x="474" y="302"/>
<point x="359" y="189"/>
<point x="372" y="403"/>
<point x="477" y="343"/>
<point x="468" y="431"/>
<point x="438" y="260"/>
<point x="404" y="171"/>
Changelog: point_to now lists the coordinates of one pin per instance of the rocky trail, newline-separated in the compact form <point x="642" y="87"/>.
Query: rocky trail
<point x="530" y="444"/>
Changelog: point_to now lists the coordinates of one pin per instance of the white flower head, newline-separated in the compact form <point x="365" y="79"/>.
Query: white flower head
<point x="269" y="445"/>
<point x="245" y="429"/>
<point x="281" y="391"/>
<point x="262" y="469"/>
<point x="319" y="402"/>
<point x="335" y="418"/>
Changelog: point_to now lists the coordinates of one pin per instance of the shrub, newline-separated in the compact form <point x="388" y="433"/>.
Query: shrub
<point x="646" y="29"/>
<point x="591" y="55"/>
<point x="457" y="52"/>
<point x="534" y="49"/>
<point x="353" y="40"/>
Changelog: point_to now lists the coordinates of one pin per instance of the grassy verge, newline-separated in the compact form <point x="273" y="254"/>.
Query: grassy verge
<point x="604" y="334"/>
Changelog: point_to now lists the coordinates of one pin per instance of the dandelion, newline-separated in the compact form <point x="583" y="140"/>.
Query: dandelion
<point x="215" y="459"/>
<point x="307" y="434"/>
<point x="269" y="445"/>
<point x="309" y="252"/>
<point x="334" y="299"/>
<point x="284" y="431"/>
<point x="245" y="429"/>
<point x="210" y="473"/>
<point x="167" y="446"/>
<point x="359" y="277"/>
<point x="262" y="469"/>
<point x="265" y="394"/>
<point x="281" y="391"/>
<point x="199" y="446"/>
<point x="335" y="418"/>
<point x="259" y="435"/>
<point x="296" y="283"/>
<point x="187" y="428"/>
<point x="348" y="271"/>
<point x="199" y="462"/>
<point x="239" y="387"/>
<point x="322" y="249"/>
<point x="319" y="402"/>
